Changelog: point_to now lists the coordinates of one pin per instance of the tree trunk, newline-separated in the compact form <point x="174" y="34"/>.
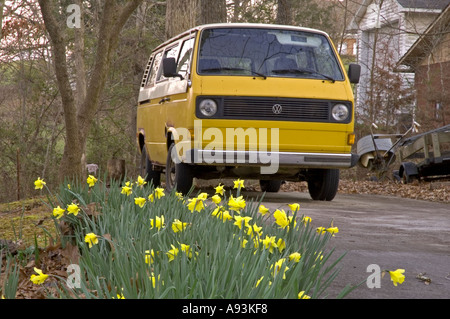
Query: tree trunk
<point x="285" y="12"/>
<point x="79" y="113"/>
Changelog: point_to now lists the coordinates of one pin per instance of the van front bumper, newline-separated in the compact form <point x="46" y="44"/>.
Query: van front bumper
<point x="282" y="159"/>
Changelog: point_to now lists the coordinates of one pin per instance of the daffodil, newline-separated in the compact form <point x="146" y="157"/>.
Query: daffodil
<point x="333" y="230"/>
<point x="91" y="180"/>
<point x="294" y="207"/>
<point x="220" y="212"/>
<point x="151" y="198"/>
<point x="179" y="195"/>
<point x="149" y="256"/>
<point x="127" y="190"/>
<point x="73" y="209"/>
<point x="281" y="244"/>
<point x="140" y="201"/>
<point x="195" y="204"/>
<point x="306" y="220"/>
<point x="39" y="183"/>
<point x="254" y="230"/>
<point x="152" y="277"/>
<point x="91" y="239"/>
<point x="186" y="249"/>
<point x="140" y="181"/>
<point x="269" y="243"/>
<point x="159" y="192"/>
<point x="263" y="210"/>
<point x="321" y="230"/>
<point x="58" y="212"/>
<point x="278" y="266"/>
<point x="238" y="183"/>
<point x="178" y="226"/>
<point x="158" y="222"/>
<point x="202" y="196"/>
<point x="219" y="189"/>
<point x="172" y="253"/>
<point x="216" y="199"/>
<point x="39" y="278"/>
<point x="295" y="256"/>
<point x="303" y="295"/>
<point x="281" y="218"/>
<point x="397" y="276"/>
<point x="239" y="221"/>
<point x="236" y="204"/>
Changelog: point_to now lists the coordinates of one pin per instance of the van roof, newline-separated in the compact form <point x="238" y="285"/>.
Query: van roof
<point x="238" y="25"/>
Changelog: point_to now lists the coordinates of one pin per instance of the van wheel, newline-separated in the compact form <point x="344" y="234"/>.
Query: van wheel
<point x="179" y="175"/>
<point x="151" y="176"/>
<point x="323" y="184"/>
<point x="270" y="186"/>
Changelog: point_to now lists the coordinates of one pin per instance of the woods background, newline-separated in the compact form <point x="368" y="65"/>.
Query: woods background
<point x="68" y="95"/>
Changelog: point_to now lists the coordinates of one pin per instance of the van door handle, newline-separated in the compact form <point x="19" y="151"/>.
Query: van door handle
<point x="164" y="99"/>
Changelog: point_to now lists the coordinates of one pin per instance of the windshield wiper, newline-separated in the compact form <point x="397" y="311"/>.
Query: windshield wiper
<point x="303" y="71"/>
<point x="234" y="69"/>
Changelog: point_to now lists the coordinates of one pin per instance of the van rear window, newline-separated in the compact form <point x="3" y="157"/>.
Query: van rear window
<point x="267" y="52"/>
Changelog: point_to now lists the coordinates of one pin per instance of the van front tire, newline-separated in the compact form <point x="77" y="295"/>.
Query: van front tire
<point x="323" y="184"/>
<point x="179" y="175"/>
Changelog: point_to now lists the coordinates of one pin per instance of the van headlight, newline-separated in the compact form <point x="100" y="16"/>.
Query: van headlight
<point x="208" y="107"/>
<point x="340" y="112"/>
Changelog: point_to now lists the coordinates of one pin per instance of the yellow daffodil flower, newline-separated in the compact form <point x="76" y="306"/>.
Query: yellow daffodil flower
<point x="236" y="204"/>
<point x="238" y="183"/>
<point x="127" y="190"/>
<point x="179" y="195"/>
<point x="73" y="209"/>
<point x="397" y="276"/>
<point x="151" y="198"/>
<point x="186" y="249"/>
<point x="140" y="201"/>
<point x="254" y="230"/>
<point x="295" y="256"/>
<point x="263" y="210"/>
<point x="202" y="196"/>
<point x="306" y="220"/>
<point x="39" y="278"/>
<point x="321" y="230"/>
<point x="149" y="256"/>
<point x="195" y="204"/>
<point x="216" y="199"/>
<point x="281" y="244"/>
<point x="153" y="279"/>
<point x="39" y="183"/>
<point x="239" y="220"/>
<point x="58" y="212"/>
<point x="159" y="192"/>
<point x="281" y="218"/>
<point x="172" y="253"/>
<point x="219" y="189"/>
<point x="333" y="230"/>
<point x="278" y="266"/>
<point x="294" y="207"/>
<point x="269" y="243"/>
<point x="302" y="295"/>
<point x="91" y="239"/>
<point x="158" y="222"/>
<point x="178" y="226"/>
<point x="91" y="180"/>
<point x="140" y="181"/>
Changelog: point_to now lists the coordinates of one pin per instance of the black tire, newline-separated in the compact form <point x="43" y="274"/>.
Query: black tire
<point x="151" y="176"/>
<point x="323" y="184"/>
<point x="270" y="186"/>
<point x="179" y="175"/>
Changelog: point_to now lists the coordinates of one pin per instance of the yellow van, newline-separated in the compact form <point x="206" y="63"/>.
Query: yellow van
<point x="249" y="101"/>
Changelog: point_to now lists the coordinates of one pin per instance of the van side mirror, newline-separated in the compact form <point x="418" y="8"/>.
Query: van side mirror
<point x="354" y="72"/>
<point x="170" y="68"/>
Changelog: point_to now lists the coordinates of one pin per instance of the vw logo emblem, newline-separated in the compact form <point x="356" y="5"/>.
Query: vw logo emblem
<point x="277" y="109"/>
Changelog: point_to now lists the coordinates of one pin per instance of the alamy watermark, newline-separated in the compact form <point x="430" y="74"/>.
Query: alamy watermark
<point x="74" y="18"/>
<point x="228" y="146"/>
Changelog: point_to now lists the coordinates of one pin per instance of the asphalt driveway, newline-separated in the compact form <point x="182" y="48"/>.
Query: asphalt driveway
<point x="382" y="231"/>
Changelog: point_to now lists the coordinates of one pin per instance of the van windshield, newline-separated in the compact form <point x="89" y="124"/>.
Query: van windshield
<point x="267" y="53"/>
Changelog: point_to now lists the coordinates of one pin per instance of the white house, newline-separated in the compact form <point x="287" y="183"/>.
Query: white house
<point x="386" y="30"/>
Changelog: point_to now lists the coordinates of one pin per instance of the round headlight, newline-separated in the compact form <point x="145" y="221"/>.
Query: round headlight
<point x="340" y="112"/>
<point x="208" y="107"/>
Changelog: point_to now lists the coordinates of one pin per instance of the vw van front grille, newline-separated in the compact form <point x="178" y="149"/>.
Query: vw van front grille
<point x="278" y="109"/>
<point x="273" y="109"/>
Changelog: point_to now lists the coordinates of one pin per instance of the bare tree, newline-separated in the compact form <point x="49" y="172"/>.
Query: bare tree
<point x="79" y="109"/>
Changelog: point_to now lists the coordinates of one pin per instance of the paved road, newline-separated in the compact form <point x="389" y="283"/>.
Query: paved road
<point x="387" y="231"/>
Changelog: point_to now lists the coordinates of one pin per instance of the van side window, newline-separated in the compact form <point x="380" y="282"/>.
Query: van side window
<point x="171" y="52"/>
<point x="185" y="58"/>
<point x="155" y="69"/>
